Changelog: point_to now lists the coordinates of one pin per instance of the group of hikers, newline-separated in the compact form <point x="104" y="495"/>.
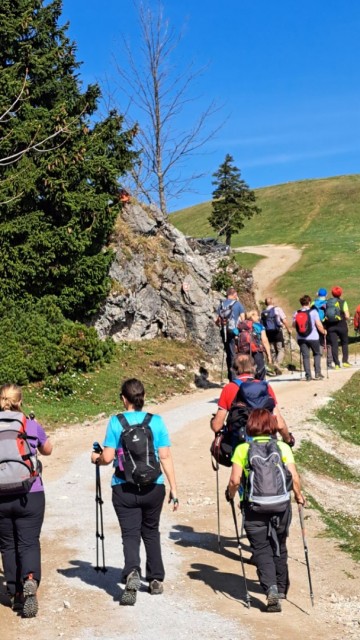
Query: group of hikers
<point x="250" y="436"/>
<point x="320" y="325"/>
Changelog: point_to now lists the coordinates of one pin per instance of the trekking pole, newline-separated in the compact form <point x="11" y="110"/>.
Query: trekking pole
<point x="291" y="354"/>
<point x="222" y="367"/>
<point x="218" y="505"/>
<point x="247" y="597"/>
<point x="300" y="367"/>
<point x="326" y="356"/>
<point x="306" y="551"/>
<point x="99" y="514"/>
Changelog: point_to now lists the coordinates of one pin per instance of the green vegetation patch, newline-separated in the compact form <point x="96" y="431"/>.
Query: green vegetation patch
<point x="341" y="526"/>
<point x="83" y="396"/>
<point x="342" y="414"/>
<point x="310" y="456"/>
<point x="247" y="260"/>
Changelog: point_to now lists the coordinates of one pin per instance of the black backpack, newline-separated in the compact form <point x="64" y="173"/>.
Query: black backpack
<point x="136" y="453"/>
<point x="269" y="482"/>
<point x="251" y="395"/>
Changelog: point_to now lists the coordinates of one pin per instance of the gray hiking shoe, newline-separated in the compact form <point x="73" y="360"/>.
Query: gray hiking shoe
<point x="133" y="584"/>
<point x="31" y="606"/>
<point x="282" y="596"/>
<point x="273" y="602"/>
<point x="156" y="587"/>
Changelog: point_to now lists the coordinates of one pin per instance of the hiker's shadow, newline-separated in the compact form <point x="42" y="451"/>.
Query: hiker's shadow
<point x="108" y="581"/>
<point x="187" y="537"/>
<point x="230" y="585"/>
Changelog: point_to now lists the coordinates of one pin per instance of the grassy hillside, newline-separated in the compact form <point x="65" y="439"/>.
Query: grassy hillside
<point x="321" y="216"/>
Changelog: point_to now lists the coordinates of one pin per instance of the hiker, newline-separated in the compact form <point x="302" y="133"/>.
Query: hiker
<point x="266" y="508"/>
<point x="308" y="328"/>
<point x="229" y="313"/>
<point x="274" y="320"/>
<point x="22" y="513"/>
<point x="252" y="340"/>
<point x="138" y="499"/>
<point x="356" y="320"/>
<point x="244" y="371"/>
<point x="336" y="317"/>
<point x="320" y="305"/>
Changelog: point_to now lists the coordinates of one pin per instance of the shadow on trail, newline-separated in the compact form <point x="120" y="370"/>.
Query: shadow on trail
<point x="85" y="571"/>
<point x="230" y="585"/>
<point x="186" y="537"/>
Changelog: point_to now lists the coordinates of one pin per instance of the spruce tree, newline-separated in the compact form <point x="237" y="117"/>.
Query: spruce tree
<point x="58" y="201"/>
<point x="233" y="200"/>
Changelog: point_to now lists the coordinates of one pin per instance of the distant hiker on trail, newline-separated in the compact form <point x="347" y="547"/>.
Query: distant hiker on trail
<point x="138" y="445"/>
<point x="336" y="317"/>
<point x="252" y="341"/>
<point x="274" y="320"/>
<point x="308" y="328"/>
<point x="255" y="394"/>
<point x="22" y="501"/>
<point x="356" y="320"/>
<point x="267" y="501"/>
<point x="320" y="305"/>
<point x="229" y="313"/>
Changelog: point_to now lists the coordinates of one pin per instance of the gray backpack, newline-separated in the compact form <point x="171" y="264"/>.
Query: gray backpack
<point x="18" y="464"/>
<point x="269" y="482"/>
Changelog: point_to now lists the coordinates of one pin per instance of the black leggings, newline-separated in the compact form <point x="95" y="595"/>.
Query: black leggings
<point x="336" y="333"/>
<point x="21" y="519"/>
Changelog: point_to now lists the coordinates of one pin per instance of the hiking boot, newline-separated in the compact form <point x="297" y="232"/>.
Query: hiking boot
<point x="273" y="603"/>
<point x="282" y="596"/>
<point x="156" y="587"/>
<point x="319" y="376"/>
<point x="277" y="370"/>
<point x="31" y="606"/>
<point x="308" y="378"/>
<point x="17" y="602"/>
<point x="337" y="366"/>
<point x="346" y="364"/>
<point x="133" y="584"/>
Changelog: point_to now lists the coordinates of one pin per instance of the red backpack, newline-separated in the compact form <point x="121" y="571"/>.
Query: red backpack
<point x="303" y="323"/>
<point x="248" y="340"/>
<point x="357" y="318"/>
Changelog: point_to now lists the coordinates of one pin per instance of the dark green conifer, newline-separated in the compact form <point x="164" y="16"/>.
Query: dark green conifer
<point x="58" y="189"/>
<point x="233" y="200"/>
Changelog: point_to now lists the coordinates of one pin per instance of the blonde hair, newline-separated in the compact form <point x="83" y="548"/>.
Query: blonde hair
<point x="252" y="315"/>
<point x="10" y="397"/>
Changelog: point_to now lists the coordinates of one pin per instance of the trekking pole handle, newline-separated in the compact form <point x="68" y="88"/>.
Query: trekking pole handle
<point x="97" y="448"/>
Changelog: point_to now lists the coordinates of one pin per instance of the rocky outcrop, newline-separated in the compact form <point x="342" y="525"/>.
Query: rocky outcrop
<point x="160" y="285"/>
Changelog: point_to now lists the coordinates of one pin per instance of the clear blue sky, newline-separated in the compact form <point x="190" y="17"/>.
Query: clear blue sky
<point x="287" y="73"/>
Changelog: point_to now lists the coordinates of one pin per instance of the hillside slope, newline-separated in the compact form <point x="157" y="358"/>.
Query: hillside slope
<point x="321" y="216"/>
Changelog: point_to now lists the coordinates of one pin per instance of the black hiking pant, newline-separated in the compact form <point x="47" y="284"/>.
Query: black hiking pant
<point x="335" y="333"/>
<point x="138" y="511"/>
<point x="228" y="338"/>
<point x="21" y="519"/>
<point x="259" y="360"/>
<point x="267" y="535"/>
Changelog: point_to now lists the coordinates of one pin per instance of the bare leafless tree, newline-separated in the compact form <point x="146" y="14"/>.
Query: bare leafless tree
<point x="159" y="97"/>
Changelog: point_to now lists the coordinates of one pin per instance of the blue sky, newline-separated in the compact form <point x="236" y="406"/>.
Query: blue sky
<point x="287" y="74"/>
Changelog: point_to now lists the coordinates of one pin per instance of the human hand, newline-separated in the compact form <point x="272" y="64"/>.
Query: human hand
<point x="174" y="500"/>
<point x="228" y="497"/>
<point x="291" y="441"/>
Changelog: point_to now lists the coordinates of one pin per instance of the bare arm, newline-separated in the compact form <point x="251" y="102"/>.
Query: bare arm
<point x="235" y="479"/>
<point x="167" y="464"/>
<point x="266" y="345"/>
<point x="218" y="420"/>
<point x="296" y="484"/>
<point x="46" y="448"/>
<point x="320" y="327"/>
<point x="282" y="426"/>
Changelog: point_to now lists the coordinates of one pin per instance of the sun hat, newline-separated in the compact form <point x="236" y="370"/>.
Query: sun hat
<point x="322" y="292"/>
<point x="336" y="292"/>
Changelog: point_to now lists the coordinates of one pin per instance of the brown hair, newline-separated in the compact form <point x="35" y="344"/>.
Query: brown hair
<point x="10" y="397"/>
<point x="261" y="423"/>
<point x="305" y="300"/>
<point x="134" y="392"/>
<point x="243" y="364"/>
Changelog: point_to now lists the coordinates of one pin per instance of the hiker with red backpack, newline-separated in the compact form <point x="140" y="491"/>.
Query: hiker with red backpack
<point x="251" y="393"/>
<point x="308" y="328"/>
<point x="356" y="320"/>
<point x="229" y="313"/>
<point x="336" y="319"/>
<point x="22" y="500"/>
<point x="252" y="340"/>
<point x="266" y="470"/>
<point x="137" y="443"/>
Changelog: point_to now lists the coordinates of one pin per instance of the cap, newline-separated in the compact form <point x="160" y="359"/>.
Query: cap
<point x="336" y="292"/>
<point x="322" y="292"/>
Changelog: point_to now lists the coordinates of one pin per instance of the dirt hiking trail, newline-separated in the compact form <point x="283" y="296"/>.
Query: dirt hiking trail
<point x="204" y="588"/>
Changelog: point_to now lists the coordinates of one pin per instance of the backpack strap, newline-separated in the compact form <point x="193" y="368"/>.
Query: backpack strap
<point x="125" y="424"/>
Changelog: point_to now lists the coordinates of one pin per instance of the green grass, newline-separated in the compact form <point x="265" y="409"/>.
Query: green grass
<point x="310" y="456"/>
<point x="152" y="361"/>
<point x="342" y="414"/>
<point x="342" y="527"/>
<point x="321" y="216"/>
<point x="248" y="260"/>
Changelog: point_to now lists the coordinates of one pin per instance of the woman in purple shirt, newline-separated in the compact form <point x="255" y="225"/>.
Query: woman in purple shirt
<point x="21" y="518"/>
